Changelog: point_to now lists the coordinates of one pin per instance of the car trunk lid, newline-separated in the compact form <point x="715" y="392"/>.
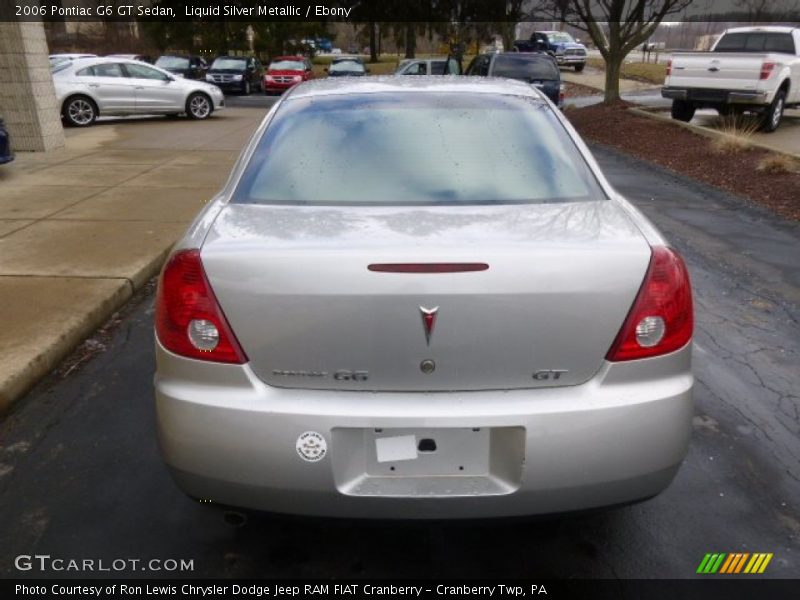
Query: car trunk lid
<point x="296" y="286"/>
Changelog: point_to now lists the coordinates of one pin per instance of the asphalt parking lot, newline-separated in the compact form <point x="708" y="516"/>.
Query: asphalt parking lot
<point x="80" y="474"/>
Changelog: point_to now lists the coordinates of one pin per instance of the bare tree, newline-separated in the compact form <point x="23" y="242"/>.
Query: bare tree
<point x="629" y="23"/>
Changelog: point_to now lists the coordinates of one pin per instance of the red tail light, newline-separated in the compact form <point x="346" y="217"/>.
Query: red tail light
<point x="669" y="67"/>
<point x="189" y="320"/>
<point x="661" y="318"/>
<point x="766" y="70"/>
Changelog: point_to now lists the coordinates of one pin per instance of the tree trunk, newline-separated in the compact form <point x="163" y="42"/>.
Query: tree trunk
<point x="373" y="48"/>
<point x="613" y="68"/>
<point x="411" y="40"/>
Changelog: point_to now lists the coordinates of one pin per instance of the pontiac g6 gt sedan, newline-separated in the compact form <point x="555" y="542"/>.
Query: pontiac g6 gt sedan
<point x="383" y="315"/>
<point x="91" y="87"/>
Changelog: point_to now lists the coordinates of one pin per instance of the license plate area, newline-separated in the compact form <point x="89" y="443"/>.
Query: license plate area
<point x="425" y="462"/>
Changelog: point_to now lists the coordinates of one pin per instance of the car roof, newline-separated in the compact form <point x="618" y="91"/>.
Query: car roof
<point x="82" y="63"/>
<point x="766" y="28"/>
<point x="422" y="83"/>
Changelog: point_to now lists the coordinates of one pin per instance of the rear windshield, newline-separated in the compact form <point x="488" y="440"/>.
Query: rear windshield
<point x="526" y="68"/>
<point x="349" y="66"/>
<point x="415" y="149"/>
<point x="234" y="64"/>
<point x="756" y="41"/>
<point x="287" y="65"/>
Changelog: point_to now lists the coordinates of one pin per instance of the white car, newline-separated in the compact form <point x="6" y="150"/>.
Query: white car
<point x="91" y="87"/>
<point x="755" y="69"/>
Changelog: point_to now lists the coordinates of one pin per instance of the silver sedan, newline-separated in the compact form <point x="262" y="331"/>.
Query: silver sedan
<point x="420" y="298"/>
<point x="90" y="87"/>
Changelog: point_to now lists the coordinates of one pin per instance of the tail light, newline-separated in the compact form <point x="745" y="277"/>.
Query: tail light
<point x="562" y="94"/>
<point x="766" y="70"/>
<point x="189" y="320"/>
<point x="669" y="67"/>
<point x="661" y="318"/>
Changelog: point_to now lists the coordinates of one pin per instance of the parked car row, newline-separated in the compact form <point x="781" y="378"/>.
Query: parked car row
<point x="120" y="85"/>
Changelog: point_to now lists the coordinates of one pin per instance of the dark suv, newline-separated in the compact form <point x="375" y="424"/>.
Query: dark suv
<point x="240" y="74"/>
<point x="539" y="70"/>
<point x="190" y="67"/>
<point x="5" y="145"/>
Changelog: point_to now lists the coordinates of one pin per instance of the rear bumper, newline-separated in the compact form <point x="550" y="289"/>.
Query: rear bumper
<point x="272" y="86"/>
<point x="620" y="437"/>
<point x="715" y="96"/>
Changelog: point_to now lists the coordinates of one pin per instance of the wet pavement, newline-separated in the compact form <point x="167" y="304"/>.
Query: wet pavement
<point x="80" y="474"/>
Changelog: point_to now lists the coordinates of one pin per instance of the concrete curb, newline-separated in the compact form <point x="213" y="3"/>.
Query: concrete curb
<point x="709" y="133"/>
<point x="20" y="382"/>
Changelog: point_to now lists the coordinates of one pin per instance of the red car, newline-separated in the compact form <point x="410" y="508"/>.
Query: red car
<point x="285" y="72"/>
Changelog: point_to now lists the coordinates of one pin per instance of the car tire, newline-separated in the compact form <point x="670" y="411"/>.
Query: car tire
<point x="579" y="67"/>
<point x="246" y="88"/>
<point x="79" y="111"/>
<point x="773" y="115"/>
<point x="199" y="106"/>
<point x="683" y="110"/>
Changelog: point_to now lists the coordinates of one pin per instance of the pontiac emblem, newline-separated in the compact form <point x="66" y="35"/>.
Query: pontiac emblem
<point x="428" y="321"/>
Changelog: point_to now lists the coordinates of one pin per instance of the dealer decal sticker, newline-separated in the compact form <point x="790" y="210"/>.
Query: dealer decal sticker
<point x="311" y="446"/>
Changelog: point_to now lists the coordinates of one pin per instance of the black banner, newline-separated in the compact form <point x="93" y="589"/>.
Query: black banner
<point x="362" y="11"/>
<point x="732" y="588"/>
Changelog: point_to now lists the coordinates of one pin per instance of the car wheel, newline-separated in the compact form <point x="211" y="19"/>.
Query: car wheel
<point x="774" y="114"/>
<point x="199" y="106"/>
<point x="683" y="110"/>
<point x="79" y="111"/>
<point x="246" y="88"/>
<point x="579" y="67"/>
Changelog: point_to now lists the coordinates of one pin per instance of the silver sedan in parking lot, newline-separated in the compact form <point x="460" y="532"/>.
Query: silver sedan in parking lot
<point x="420" y="298"/>
<point x="90" y="87"/>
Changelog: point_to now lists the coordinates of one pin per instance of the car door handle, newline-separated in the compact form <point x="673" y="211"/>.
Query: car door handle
<point x="94" y="85"/>
<point x="139" y="87"/>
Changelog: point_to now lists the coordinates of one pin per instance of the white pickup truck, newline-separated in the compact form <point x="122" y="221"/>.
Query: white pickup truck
<point x="755" y="69"/>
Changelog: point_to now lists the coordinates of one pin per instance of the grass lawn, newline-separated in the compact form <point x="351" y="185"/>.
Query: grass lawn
<point x="648" y="72"/>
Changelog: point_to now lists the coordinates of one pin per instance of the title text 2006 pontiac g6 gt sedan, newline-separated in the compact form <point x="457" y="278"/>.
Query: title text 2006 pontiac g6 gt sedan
<point x="422" y="299"/>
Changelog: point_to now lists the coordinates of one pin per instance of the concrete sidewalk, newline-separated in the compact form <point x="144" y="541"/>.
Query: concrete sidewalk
<point x="595" y="78"/>
<point x="82" y="228"/>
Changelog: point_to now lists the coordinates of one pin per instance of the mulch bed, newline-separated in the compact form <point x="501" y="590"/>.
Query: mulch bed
<point x="573" y="90"/>
<point x="690" y="154"/>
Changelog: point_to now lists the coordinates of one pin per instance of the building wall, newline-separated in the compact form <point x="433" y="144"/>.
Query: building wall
<point x="27" y="97"/>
